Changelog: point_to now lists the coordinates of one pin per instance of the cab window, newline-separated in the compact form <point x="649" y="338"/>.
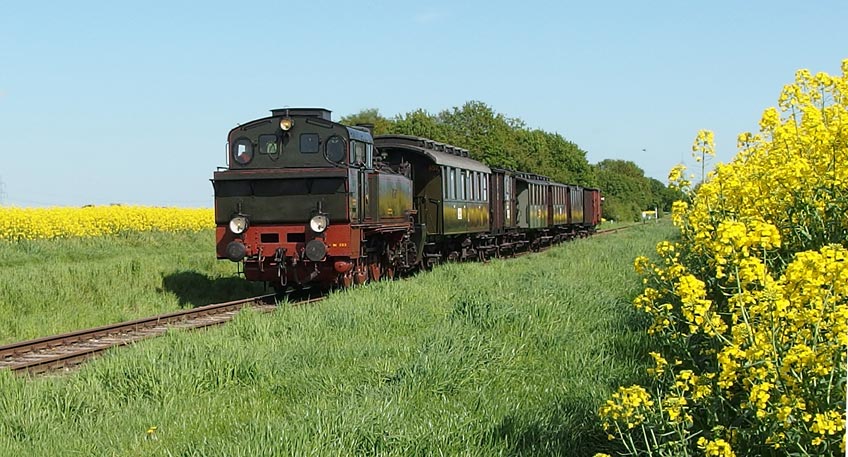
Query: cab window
<point x="369" y="156"/>
<point x="357" y="152"/>
<point x="335" y="149"/>
<point x="309" y="143"/>
<point x="268" y="144"/>
<point x="243" y="151"/>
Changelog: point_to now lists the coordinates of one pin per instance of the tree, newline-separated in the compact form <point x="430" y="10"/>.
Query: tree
<point x="626" y="189"/>
<point x="370" y="116"/>
<point x="420" y="123"/>
<point x="489" y="136"/>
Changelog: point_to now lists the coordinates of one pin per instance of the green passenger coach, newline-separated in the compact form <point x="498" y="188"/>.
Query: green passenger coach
<point x="452" y="189"/>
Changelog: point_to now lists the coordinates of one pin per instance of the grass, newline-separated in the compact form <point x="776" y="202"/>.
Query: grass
<point x="50" y="287"/>
<point x="508" y="358"/>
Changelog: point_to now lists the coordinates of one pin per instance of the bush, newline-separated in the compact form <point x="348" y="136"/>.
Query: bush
<point x="749" y="308"/>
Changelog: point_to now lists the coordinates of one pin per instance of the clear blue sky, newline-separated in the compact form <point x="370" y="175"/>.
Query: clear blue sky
<point x="131" y="102"/>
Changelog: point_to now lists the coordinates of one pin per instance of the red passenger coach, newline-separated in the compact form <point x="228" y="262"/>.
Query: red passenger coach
<point x="591" y="209"/>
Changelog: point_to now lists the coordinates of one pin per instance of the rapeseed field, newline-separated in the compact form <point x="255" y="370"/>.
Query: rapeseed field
<point x="18" y="224"/>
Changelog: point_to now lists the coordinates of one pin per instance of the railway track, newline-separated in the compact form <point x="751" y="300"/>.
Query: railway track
<point x="65" y="351"/>
<point x="614" y="229"/>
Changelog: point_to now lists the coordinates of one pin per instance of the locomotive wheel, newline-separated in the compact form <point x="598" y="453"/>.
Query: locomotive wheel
<point x="375" y="271"/>
<point x="360" y="276"/>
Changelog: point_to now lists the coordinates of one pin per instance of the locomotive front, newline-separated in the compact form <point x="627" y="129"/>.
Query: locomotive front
<point x="295" y="196"/>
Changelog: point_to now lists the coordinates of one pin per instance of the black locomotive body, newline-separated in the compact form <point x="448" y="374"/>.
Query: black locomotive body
<point x="307" y="201"/>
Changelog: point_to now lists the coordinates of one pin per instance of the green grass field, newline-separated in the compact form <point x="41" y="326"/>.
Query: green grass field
<point x="49" y="287"/>
<point x="507" y="358"/>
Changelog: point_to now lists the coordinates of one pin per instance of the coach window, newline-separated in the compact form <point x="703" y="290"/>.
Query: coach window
<point x="480" y="194"/>
<point x="309" y="143"/>
<point x="485" y="188"/>
<point x="479" y="183"/>
<point x="452" y="183"/>
<point x="460" y="186"/>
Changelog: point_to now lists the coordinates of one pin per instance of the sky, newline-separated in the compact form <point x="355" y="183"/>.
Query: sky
<point x="130" y="102"/>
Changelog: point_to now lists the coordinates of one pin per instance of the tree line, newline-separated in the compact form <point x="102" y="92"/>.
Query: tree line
<point x="505" y="142"/>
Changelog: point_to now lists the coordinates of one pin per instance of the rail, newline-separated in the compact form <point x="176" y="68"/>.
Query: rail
<point x="64" y="351"/>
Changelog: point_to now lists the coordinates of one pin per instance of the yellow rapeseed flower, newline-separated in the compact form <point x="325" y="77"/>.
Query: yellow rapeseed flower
<point x="18" y="224"/>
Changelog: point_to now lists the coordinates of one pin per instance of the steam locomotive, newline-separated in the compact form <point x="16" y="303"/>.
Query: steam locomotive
<point x="305" y="201"/>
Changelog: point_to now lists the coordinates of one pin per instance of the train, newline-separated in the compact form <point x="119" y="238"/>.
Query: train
<point x="308" y="202"/>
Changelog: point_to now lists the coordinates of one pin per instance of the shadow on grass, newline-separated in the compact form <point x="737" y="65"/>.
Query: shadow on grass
<point x="195" y="289"/>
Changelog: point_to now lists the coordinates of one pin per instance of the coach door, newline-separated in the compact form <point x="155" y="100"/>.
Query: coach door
<point x="508" y="200"/>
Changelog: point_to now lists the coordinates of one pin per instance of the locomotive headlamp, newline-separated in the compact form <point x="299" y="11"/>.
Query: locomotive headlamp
<point x="286" y="123"/>
<point x="319" y="223"/>
<point x="238" y="225"/>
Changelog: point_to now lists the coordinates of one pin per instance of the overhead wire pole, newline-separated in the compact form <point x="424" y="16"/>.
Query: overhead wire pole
<point x="2" y="191"/>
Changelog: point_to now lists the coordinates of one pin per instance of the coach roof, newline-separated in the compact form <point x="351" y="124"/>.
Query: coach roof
<point x="441" y="153"/>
